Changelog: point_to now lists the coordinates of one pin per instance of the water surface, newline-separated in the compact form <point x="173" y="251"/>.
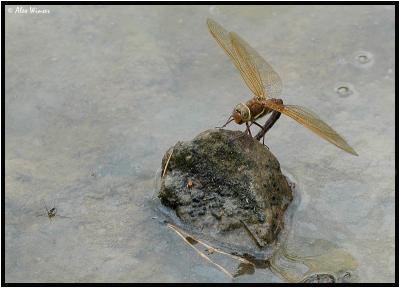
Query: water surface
<point x="96" y="94"/>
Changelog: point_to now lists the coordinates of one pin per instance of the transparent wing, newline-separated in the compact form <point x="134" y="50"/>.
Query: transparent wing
<point x="258" y="68"/>
<point x="246" y="69"/>
<point x="310" y="120"/>
<point x="247" y="63"/>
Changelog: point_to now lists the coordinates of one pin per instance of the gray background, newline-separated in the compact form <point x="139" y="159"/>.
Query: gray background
<point x="96" y="94"/>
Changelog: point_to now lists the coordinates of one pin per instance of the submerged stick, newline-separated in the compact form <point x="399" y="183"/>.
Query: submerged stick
<point x="198" y="251"/>
<point x="212" y="248"/>
<point x="253" y="235"/>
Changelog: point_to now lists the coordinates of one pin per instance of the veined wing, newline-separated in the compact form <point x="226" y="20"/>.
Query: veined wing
<point x="258" y="68"/>
<point x="246" y="68"/>
<point x="310" y="120"/>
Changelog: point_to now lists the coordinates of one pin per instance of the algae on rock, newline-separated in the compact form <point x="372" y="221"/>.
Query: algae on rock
<point x="238" y="194"/>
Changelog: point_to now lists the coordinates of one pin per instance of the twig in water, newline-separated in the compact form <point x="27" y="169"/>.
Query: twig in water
<point x="210" y="248"/>
<point x="198" y="251"/>
<point x="166" y="164"/>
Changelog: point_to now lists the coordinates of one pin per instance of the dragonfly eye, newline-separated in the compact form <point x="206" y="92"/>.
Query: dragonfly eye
<point x="238" y="109"/>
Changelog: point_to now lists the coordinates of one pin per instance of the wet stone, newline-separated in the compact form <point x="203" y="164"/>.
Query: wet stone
<point x="236" y="195"/>
<point x="320" y="278"/>
<point x="261" y="217"/>
<point x="216" y="213"/>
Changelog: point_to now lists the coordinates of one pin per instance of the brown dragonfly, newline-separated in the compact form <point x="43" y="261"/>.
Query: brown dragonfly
<point x="266" y="86"/>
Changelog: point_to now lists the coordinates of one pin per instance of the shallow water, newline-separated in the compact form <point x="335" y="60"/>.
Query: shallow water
<point x="96" y="94"/>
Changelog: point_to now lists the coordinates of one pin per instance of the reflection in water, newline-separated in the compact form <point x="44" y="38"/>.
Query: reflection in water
<point x="333" y="263"/>
<point x="244" y="268"/>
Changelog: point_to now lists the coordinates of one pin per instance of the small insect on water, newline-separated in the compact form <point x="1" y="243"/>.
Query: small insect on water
<point x="51" y="213"/>
<point x="266" y="86"/>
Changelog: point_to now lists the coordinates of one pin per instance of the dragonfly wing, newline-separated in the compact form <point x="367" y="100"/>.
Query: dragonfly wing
<point x="223" y="37"/>
<point x="310" y="120"/>
<point x="247" y="63"/>
<point x="259" y="69"/>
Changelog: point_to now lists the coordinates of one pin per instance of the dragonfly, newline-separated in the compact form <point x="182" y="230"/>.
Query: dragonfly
<point x="266" y="86"/>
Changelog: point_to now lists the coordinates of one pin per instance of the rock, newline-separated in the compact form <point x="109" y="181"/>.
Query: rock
<point x="320" y="278"/>
<point x="225" y="186"/>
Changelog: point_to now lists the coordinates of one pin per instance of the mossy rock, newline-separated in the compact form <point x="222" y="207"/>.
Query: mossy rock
<point x="225" y="186"/>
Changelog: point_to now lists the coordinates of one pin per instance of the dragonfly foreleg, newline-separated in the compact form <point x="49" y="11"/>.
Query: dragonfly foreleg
<point x="230" y="119"/>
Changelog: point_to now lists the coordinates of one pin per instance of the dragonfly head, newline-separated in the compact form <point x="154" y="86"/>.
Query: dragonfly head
<point x="241" y="113"/>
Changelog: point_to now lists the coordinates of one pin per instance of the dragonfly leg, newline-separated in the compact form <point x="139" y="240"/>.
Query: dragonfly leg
<point x="254" y="122"/>
<point x="268" y="125"/>
<point x="263" y="137"/>
<point x="230" y="119"/>
<point x="264" y="143"/>
<point x="248" y="129"/>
